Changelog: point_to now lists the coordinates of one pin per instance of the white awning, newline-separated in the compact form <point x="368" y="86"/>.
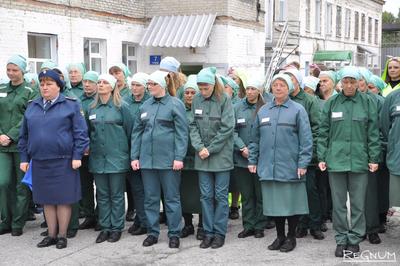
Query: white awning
<point x="178" y="31"/>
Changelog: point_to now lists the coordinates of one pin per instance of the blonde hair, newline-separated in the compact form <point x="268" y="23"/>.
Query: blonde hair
<point x="117" y="99"/>
<point x="218" y="89"/>
<point x="172" y="84"/>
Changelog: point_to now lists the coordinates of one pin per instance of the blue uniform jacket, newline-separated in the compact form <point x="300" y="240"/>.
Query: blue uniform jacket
<point x="281" y="141"/>
<point x="59" y="132"/>
<point x="160" y="133"/>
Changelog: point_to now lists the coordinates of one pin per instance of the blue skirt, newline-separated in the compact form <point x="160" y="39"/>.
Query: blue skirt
<point x="54" y="182"/>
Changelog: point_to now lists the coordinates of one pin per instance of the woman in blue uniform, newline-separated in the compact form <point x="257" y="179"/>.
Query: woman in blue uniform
<point x="54" y="137"/>
<point x="159" y="145"/>
<point x="282" y="132"/>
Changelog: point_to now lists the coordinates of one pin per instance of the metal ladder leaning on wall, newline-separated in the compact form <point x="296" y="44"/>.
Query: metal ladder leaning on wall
<point x="276" y="56"/>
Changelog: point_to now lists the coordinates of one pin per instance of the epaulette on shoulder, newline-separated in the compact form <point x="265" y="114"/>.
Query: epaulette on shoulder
<point x="70" y="98"/>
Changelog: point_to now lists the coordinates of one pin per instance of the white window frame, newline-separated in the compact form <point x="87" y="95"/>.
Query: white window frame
<point x="130" y="58"/>
<point x="370" y="29"/>
<point x="269" y="19"/>
<point x="33" y="62"/>
<point x="356" y="25"/>
<point x="282" y="10"/>
<point x="308" y="15"/>
<point x="363" y="26"/>
<point x="329" y="15"/>
<point x="347" y="23"/>
<point x="376" y="31"/>
<point x="318" y="7"/>
<point x="102" y="54"/>
<point x="339" y="21"/>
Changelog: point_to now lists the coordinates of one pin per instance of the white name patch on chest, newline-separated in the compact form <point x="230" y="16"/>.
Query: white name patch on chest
<point x="143" y="115"/>
<point x="3" y="94"/>
<point x="241" y="120"/>
<point x="92" y="117"/>
<point x="397" y="108"/>
<point x="265" y="119"/>
<point x="337" y="114"/>
<point x="198" y="112"/>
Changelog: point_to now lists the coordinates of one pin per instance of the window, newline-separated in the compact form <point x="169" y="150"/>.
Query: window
<point x="129" y="56"/>
<point x="41" y="47"/>
<point x="347" y="25"/>
<point x="356" y="25"/>
<point x="362" y="27"/>
<point x="328" y="25"/>
<point x="269" y="13"/>
<point x="370" y="32"/>
<point x="318" y="16"/>
<point x="94" y="51"/>
<point x="376" y="31"/>
<point x="282" y="10"/>
<point x="338" y="21"/>
<point x="308" y="14"/>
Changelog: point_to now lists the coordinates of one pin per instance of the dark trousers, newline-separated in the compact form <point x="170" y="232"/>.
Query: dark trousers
<point x="314" y="219"/>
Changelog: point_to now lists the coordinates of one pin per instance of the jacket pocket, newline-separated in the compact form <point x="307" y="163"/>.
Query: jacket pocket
<point x="166" y="123"/>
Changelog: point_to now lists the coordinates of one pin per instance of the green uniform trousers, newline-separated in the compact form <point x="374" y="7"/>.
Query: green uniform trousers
<point x="86" y="204"/>
<point x="110" y="190"/>
<point x="372" y="204"/>
<point x="348" y="232"/>
<point x="394" y="188"/>
<point x="313" y="220"/>
<point x="74" y="221"/>
<point x="14" y="196"/>
<point x="252" y="208"/>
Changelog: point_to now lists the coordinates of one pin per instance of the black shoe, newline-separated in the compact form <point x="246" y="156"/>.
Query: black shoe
<point x="46" y="242"/>
<point x="373" y="238"/>
<point x="30" y="217"/>
<point x="324" y="227"/>
<point x="218" y="242"/>
<point x="200" y="233"/>
<point x="352" y="250"/>
<point x="149" y="241"/>
<point x="87" y="224"/>
<point x="300" y="232"/>
<point x="45" y="233"/>
<point x="173" y="242"/>
<point x="207" y="241"/>
<point x="114" y="236"/>
<point x="103" y="236"/>
<point x="163" y="218"/>
<point x="61" y="243"/>
<point x="288" y="245"/>
<point x="140" y="231"/>
<point x="276" y="245"/>
<point x="4" y="231"/>
<point x="245" y="233"/>
<point x="16" y="232"/>
<point x="38" y="209"/>
<point x="258" y="233"/>
<point x="43" y="225"/>
<point x="130" y="216"/>
<point x="317" y="234"/>
<point x="187" y="231"/>
<point x="97" y="227"/>
<point x="234" y="213"/>
<point x="270" y="224"/>
<point x="72" y="233"/>
<point x="339" y="251"/>
<point x="133" y="227"/>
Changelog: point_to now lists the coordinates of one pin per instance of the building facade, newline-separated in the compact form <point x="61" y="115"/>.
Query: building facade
<point x="101" y="33"/>
<point x="326" y="27"/>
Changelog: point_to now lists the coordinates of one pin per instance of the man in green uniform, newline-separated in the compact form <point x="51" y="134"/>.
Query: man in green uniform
<point x="349" y="147"/>
<point x="14" y="196"/>
<point x="312" y="221"/>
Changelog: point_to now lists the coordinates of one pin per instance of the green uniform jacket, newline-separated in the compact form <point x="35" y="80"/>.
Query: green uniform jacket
<point x="312" y="107"/>
<point x="86" y="101"/>
<point x="125" y="91"/>
<point x="390" y="125"/>
<point x="388" y="89"/>
<point x="212" y="127"/>
<point x="133" y="104"/>
<point x="244" y="118"/>
<point x="67" y="92"/>
<point x="379" y="100"/>
<point x="13" y="103"/>
<point x="349" y="135"/>
<point x="160" y="134"/>
<point x="110" y="128"/>
<point x="188" y="163"/>
<point x="77" y="90"/>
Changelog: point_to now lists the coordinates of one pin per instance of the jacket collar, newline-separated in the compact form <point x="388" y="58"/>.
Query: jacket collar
<point x="40" y="101"/>
<point x="352" y="98"/>
<point x="163" y="100"/>
<point x="285" y="104"/>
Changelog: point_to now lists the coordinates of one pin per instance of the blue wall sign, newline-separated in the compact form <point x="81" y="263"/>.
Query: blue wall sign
<point x="155" y="59"/>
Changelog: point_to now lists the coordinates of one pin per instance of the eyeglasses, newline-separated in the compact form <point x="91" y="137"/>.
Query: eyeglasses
<point x="190" y="92"/>
<point x="152" y="84"/>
